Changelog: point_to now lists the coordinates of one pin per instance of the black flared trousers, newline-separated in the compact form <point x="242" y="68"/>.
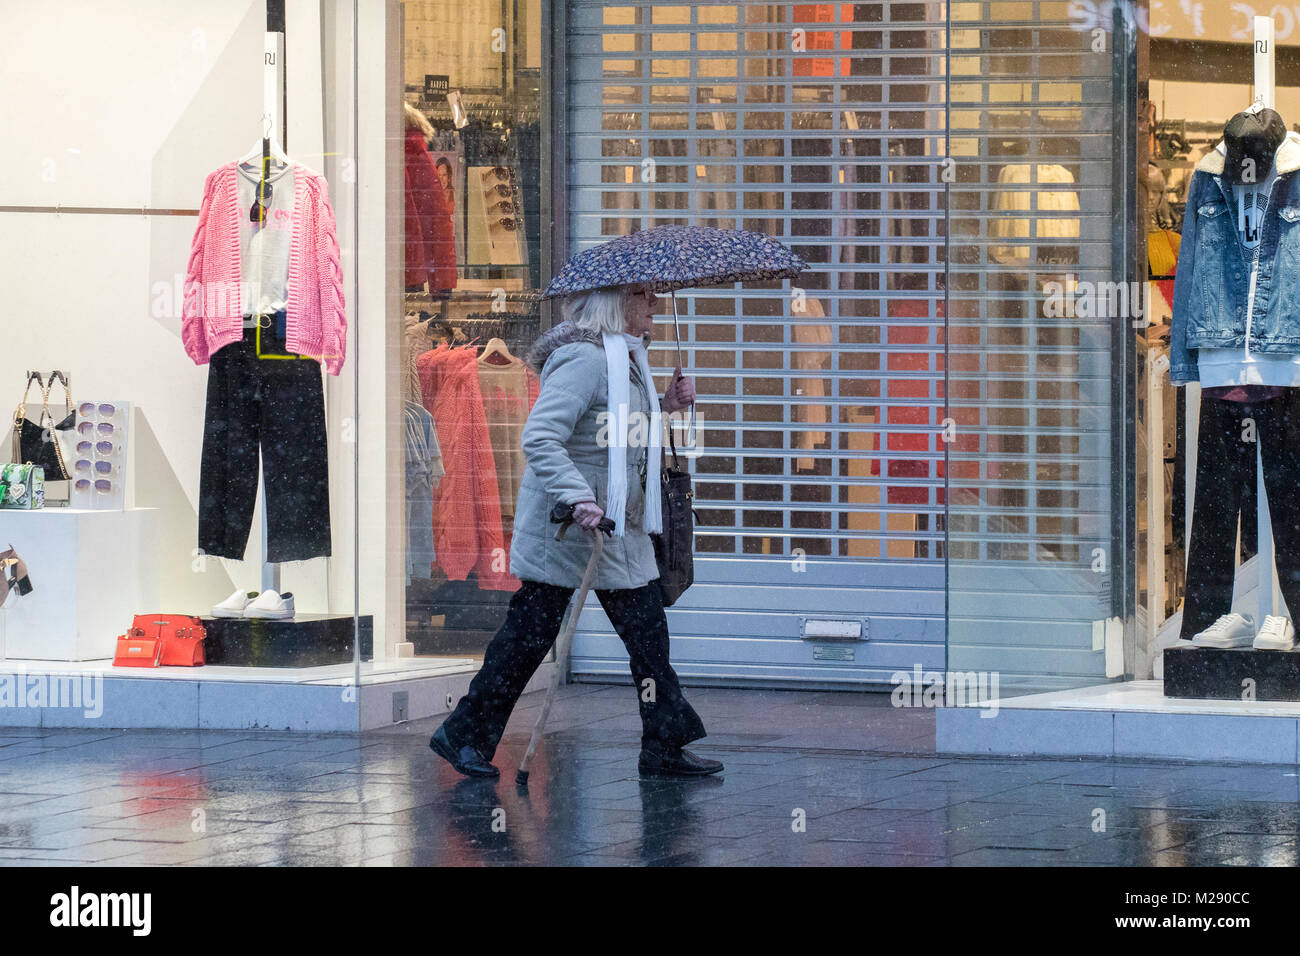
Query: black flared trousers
<point x="261" y="404"/>
<point x="531" y="627"/>
<point x="1227" y="438"/>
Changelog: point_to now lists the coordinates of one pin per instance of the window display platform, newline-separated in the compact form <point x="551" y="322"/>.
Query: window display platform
<point x="1231" y="673"/>
<point x="94" y="694"/>
<point x="1132" y="719"/>
<point x="92" y="571"/>
<point x="309" y="640"/>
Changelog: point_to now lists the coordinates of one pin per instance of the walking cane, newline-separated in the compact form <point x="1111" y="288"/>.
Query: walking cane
<point x="563" y="515"/>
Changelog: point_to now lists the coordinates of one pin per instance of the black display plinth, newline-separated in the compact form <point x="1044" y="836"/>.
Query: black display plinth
<point x="1237" y="673"/>
<point x="309" y="640"/>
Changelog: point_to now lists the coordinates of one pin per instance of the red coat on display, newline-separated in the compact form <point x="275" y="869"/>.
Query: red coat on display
<point x="467" y="529"/>
<point x="430" y="236"/>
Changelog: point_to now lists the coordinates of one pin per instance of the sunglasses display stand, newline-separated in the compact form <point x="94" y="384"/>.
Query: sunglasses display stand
<point x="99" y="465"/>
<point x="496" y="218"/>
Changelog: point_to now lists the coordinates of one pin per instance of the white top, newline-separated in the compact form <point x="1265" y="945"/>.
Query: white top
<point x="264" y="248"/>
<point x="1241" y="366"/>
<point x="1220" y="367"/>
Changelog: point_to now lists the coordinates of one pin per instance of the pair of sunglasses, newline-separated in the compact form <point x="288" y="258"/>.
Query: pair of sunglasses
<point x="102" y="485"/>
<point x="506" y="224"/>
<point x="257" y="213"/>
<point x="98" y="447"/>
<point x="86" y="409"/>
<point x="90" y="428"/>
<point x="100" y="467"/>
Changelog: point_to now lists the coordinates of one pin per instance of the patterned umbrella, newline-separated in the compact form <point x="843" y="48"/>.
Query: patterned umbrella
<point x="668" y="258"/>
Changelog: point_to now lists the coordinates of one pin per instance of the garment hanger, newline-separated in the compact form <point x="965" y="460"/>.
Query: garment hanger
<point x="267" y="146"/>
<point x="496" y="348"/>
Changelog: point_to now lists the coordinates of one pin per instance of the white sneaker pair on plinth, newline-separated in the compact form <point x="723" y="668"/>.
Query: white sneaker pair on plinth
<point x="249" y="604"/>
<point x="1238" y="630"/>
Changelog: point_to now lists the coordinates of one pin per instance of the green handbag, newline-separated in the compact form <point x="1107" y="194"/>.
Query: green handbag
<point x="22" y="487"/>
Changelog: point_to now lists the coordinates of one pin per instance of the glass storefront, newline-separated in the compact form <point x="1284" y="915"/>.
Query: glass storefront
<point x="474" y="113"/>
<point x="952" y="439"/>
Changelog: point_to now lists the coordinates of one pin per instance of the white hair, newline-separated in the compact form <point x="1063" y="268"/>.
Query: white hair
<point x="600" y="310"/>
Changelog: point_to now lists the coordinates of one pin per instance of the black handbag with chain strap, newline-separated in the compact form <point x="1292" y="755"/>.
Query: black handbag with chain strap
<point x="37" y="443"/>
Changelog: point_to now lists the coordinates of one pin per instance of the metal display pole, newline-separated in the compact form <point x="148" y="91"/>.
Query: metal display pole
<point x="272" y="98"/>
<point x="1268" y="596"/>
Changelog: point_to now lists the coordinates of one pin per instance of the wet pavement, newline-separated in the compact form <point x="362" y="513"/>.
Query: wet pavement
<point x="811" y="779"/>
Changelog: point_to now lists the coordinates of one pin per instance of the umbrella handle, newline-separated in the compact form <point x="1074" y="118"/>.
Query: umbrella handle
<point x="677" y="333"/>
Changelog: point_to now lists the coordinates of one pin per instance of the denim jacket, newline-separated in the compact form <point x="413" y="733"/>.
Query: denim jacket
<point x="1212" y="286"/>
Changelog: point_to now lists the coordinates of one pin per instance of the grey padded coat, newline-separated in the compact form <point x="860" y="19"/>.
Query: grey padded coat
<point x="565" y="464"/>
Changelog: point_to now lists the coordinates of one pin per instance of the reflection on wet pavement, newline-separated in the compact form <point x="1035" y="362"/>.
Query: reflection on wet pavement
<point x="811" y="779"/>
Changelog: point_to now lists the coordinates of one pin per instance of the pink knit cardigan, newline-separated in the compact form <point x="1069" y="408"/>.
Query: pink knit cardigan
<point x="213" y="314"/>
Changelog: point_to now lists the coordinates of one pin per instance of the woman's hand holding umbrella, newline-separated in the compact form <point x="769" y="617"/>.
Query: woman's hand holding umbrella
<point x="681" y="393"/>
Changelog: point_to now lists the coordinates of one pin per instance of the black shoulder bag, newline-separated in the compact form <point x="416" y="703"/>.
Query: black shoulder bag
<point x="674" y="549"/>
<point x="37" y="443"/>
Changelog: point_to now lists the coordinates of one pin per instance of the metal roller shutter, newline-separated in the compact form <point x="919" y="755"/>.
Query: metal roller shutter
<point x="821" y="487"/>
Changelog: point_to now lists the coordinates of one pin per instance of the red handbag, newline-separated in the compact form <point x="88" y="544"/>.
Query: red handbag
<point x="136" y="650"/>
<point x="161" y="640"/>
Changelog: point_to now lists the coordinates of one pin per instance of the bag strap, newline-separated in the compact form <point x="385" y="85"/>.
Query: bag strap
<point x="67" y="387"/>
<point x="45" y="415"/>
<point x="21" y="411"/>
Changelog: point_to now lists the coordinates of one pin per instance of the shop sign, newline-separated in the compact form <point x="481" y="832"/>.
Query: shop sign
<point x="1187" y="19"/>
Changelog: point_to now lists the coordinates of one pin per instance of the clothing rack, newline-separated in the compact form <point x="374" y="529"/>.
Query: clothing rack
<point x="414" y="299"/>
<point x="519" y="330"/>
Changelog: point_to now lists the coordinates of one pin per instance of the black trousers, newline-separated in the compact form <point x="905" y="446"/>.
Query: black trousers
<point x="275" y="406"/>
<point x="531" y="626"/>
<point x="1228" y="436"/>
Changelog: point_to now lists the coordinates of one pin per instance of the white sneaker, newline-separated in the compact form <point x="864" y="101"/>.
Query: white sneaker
<point x="1276" y="634"/>
<point x="272" y="606"/>
<point x="234" y="605"/>
<point x="1231" y="630"/>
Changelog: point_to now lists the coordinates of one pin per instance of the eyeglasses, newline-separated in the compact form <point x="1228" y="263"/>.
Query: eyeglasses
<point x="257" y="213"/>
<point x="99" y="447"/>
<point x="90" y="428"/>
<point x="100" y="467"/>
<point x="504" y="205"/>
<point x="86" y="409"/>
<point x="101" y="485"/>
<point x="500" y="189"/>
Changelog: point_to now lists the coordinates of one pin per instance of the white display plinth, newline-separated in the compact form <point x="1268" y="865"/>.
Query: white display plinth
<point x="91" y="572"/>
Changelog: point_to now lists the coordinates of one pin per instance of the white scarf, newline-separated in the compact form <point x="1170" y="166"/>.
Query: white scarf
<point x="618" y="364"/>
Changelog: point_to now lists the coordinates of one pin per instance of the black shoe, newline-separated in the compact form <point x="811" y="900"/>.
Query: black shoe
<point x="466" y="760"/>
<point x="675" y="762"/>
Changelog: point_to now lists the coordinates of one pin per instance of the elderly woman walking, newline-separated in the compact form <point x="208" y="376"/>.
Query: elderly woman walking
<point x="590" y="442"/>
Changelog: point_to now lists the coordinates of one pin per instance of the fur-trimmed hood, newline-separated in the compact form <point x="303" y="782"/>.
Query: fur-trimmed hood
<point x="565" y="333"/>
<point x="1285" y="160"/>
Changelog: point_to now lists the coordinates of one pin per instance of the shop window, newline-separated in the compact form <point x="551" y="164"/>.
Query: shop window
<point x="479" y="112"/>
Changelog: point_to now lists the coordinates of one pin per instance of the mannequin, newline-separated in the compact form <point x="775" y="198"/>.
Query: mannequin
<point x="1237" y="332"/>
